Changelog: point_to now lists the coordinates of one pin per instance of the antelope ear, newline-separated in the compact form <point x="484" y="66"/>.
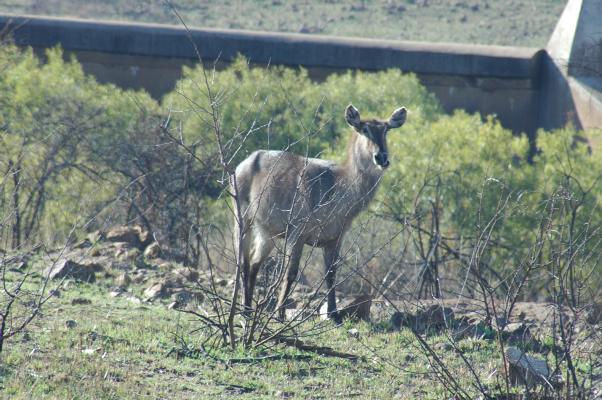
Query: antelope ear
<point x="352" y="116"/>
<point x="398" y="118"/>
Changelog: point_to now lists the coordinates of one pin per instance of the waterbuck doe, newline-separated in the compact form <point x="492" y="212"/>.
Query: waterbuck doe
<point x="308" y="201"/>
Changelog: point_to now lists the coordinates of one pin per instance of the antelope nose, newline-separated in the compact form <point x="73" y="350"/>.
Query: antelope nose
<point x="381" y="159"/>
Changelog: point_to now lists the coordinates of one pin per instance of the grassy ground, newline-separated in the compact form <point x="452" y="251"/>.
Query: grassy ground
<point x="511" y="22"/>
<point x="119" y="348"/>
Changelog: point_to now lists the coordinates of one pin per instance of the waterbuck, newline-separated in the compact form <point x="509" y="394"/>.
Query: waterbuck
<point x="308" y="201"/>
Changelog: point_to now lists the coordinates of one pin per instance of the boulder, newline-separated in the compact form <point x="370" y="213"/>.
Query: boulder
<point x="517" y="332"/>
<point x="400" y="319"/>
<point x="189" y="274"/>
<point x="356" y="307"/>
<point x="152" y="251"/>
<point x="156" y="290"/>
<point x="96" y="236"/>
<point x="434" y="316"/>
<point x="68" y="268"/>
<point x="525" y="369"/>
<point x="185" y="296"/>
<point x="123" y="280"/>
<point x="126" y="234"/>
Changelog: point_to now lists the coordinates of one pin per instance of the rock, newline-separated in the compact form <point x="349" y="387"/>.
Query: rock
<point x="134" y="299"/>
<point x="139" y="276"/>
<point x="357" y="307"/>
<point x="186" y="296"/>
<point x="444" y="346"/>
<point x="146" y="238"/>
<point x="116" y="293"/>
<point x="152" y="251"/>
<point x="96" y="236"/>
<point x="221" y="282"/>
<point x="68" y="268"/>
<point x="83" y="244"/>
<point x="525" y="369"/>
<point x="399" y="319"/>
<point x="127" y="234"/>
<point x="80" y="301"/>
<point x="90" y="351"/>
<point x="123" y="280"/>
<point x="471" y="326"/>
<point x="127" y="254"/>
<point x="156" y="290"/>
<point x="189" y="274"/>
<point x="354" y="333"/>
<point x="517" y="332"/>
<point x="434" y="316"/>
<point x="70" y="324"/>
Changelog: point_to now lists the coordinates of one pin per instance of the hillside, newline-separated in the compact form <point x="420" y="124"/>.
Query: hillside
<point x="512" y="22"/>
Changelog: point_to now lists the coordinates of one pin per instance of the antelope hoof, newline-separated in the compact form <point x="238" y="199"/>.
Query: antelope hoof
<point x="336" y="318"/>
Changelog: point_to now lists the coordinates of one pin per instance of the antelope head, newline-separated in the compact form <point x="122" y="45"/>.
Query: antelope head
<point x="375" y="132"/>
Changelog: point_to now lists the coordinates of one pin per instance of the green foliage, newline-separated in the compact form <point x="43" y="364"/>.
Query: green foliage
<point x="281" y="108"/>
<point x="58" y="132"/>
<point x="70" y="146"/>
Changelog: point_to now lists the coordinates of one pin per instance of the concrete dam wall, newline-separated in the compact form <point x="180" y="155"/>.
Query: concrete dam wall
<point x="523" y="87"/>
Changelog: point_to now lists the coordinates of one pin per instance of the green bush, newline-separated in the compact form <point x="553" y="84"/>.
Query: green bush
<point x="73" y="146"/>
<point x="281" y="108"/>
<point x="59" y="134"/>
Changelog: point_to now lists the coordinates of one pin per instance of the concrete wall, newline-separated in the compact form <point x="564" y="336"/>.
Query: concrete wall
<point x="505" y="81"/>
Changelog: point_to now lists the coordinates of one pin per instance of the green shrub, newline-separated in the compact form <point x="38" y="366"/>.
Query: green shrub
<point x="59" y="131"/>
<point x="281" y="108"/>
<point x="74" y="146"/>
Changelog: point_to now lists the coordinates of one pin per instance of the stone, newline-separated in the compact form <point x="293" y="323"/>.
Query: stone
<point x="525" y="369"/>
<point x="133" y="299"/>
<point x="189" y="274"/>
<point x="434" y="316"/>
<point x="127" y="254"/>
<point x="68" y="268"/>
<point x="517" y="332"/>
<point x="70" y="324"/>
<point x="83" y="244"/>
<point x="443" y="346"/>
<point x="152" y="251"/>
<point x="354" y="333"/>
<point x="356" y="307"/>
<point x="127" y="234"/>
<point x="123" y="280"/>
<point x="96" y="236"/>
<point x="400" y="319"/>
<point x="221" y="282"/>
<point x="186" y="296"/>
<point x="80" y="301"/>
<point x="146" y="238"/>
<point x="156" y="290"/>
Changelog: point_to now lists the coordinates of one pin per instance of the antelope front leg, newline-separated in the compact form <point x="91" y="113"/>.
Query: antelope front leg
<point x="331" y="256"/>
<point x="292" y="268"/>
